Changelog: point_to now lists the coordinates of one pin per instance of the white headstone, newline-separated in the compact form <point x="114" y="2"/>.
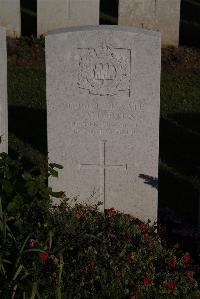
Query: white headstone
<point x="3" y="93"/>
<point x="53" y="14"/>
<point x="103" y="95"/>
<point x="10" y="17"/>
<point x="161" y="15"/>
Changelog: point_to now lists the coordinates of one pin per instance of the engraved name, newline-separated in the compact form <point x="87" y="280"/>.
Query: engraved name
<point x="108" y="119"/>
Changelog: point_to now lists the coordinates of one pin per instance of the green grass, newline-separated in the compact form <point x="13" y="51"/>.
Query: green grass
<point x="26" y="87"/>
<point x="27" y="113"/>
<point x="180" y="93"/>
<point x="179" y="170"/>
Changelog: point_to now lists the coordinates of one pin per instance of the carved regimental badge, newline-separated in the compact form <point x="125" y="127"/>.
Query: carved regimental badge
<point x="104" y="70"/>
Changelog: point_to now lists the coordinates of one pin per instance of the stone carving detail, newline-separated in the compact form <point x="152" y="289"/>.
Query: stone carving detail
<point x="103" y="166"/>
<point x="104" y="70"/>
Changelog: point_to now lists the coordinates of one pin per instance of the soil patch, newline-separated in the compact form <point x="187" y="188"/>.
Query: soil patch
<point x="181" y="60"/>
<point x="26" y="52"/>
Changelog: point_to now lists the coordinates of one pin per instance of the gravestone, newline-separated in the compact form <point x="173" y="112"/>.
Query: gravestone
<point x="161" y="15"/>
<point x="103" y="94"/>
<point x="10" y="17"/>
<point x="3" y="93"/>
<point x="52" y="14"/>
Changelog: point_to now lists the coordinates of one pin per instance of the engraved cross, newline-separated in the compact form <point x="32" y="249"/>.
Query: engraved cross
<point x="102" y="167"/>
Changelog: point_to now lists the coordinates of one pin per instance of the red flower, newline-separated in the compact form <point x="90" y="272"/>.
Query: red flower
<point x="93" y="263"/>
<point x="31" y="243"/>
<point x="190" y="274"/>
<point x="143" y="227"/>
<point x="186" y="258"/>
<point x="43" y="256"/>
<point x="171" y="285"/>
<point x="172" y="262"/>
<point x="111" y="211"/>
<point x="132" y="296"/>
<point x="147" y="281"/>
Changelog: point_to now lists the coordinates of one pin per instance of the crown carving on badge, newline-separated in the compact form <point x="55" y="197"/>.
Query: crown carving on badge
<point x="104" y="50"/>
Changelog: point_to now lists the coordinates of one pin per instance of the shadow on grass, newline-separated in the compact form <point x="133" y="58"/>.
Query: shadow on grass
<point x="180" y="143"/>
<point x="179" y="177"/>
<point x="30" y="126"/>
<point x="109" y="12"/>
<point x="190" y="23"/>
<point x="28" y="17"/>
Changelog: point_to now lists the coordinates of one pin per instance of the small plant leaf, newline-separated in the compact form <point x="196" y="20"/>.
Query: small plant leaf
<point x="34" y="290"/>
<point x="18" y="272"/>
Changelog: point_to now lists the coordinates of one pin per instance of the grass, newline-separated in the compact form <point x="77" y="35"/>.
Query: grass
<point x="27" y="113"/>
<point x="180" y="93"/>
<point x="180" y="126"/>
<point x="179" y="168"/>
<point x="26" y="87"/>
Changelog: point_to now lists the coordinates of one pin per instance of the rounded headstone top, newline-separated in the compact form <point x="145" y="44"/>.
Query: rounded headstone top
<point x="105" y="28"/>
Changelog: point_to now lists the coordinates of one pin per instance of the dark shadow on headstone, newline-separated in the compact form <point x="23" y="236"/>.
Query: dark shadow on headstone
<point x="28" y="17"/>
<point x="190" y="23"/>
<point x="149" y="180"/>
<point x="109" y="12"/>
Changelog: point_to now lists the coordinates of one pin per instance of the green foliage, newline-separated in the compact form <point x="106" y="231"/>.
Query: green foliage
<point x="75" y="251"/>
<point x="25" y="195"/>
<point x="25" y="202"/>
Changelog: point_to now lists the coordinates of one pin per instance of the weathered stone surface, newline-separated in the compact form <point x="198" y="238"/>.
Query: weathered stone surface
<point x="103" y="94"/>
<point x="161" y="15"/>
<point x="53" y="14"/>
<point x="10" y="17"/>
<point x="3" y="93"/>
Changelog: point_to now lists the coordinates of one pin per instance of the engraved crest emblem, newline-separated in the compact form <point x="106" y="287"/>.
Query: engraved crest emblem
<point x="104" y="70"/>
